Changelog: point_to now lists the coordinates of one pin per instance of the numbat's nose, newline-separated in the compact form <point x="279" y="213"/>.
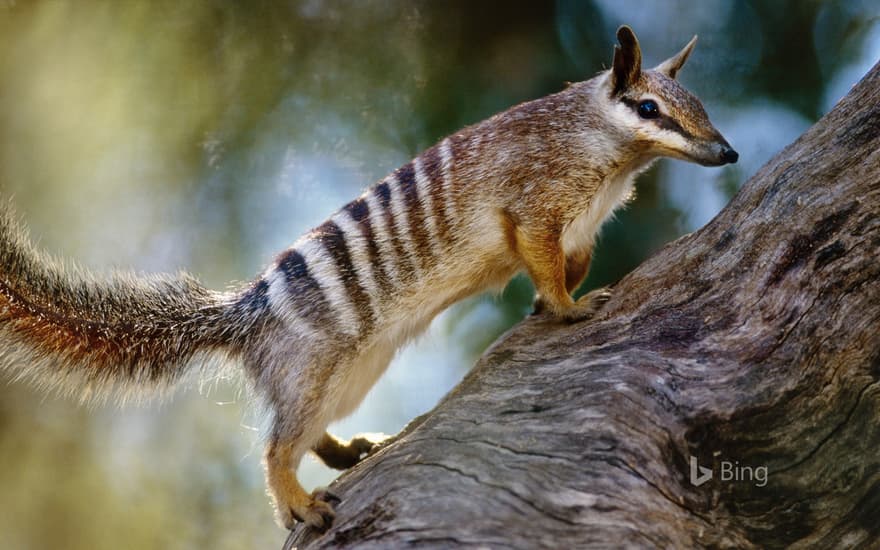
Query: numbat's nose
<point x="729" y="156"/>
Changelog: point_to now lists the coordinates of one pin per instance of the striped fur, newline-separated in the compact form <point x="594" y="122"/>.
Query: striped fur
<point x="526" y="190"/>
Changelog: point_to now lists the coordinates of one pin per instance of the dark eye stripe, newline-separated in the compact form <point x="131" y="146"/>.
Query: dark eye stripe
<point x="669" y="123"/>
<point x="664" y="121"/>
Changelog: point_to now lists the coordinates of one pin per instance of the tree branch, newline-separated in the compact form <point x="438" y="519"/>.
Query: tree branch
<point x="753" y="342"/>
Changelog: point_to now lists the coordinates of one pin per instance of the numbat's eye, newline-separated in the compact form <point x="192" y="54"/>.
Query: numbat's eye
<point x="649" y="109"/>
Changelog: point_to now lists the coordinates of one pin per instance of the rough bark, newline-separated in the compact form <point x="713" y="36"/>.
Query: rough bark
<point x="753" y="341"/>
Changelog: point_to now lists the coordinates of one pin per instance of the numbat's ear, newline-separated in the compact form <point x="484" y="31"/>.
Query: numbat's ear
<point x="627" y="61"/>
<point x="671" y="66"/>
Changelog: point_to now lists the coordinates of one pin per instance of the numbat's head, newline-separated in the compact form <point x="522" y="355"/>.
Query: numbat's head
<point x="657" y="115"/>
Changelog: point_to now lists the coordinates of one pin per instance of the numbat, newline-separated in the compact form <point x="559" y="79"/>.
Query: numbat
<point x="526" y="190"/>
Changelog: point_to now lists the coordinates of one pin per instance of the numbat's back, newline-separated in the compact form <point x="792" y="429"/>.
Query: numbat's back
<point x="526" y="190"/>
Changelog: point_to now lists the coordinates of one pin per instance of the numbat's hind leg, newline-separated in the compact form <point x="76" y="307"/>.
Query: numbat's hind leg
<point x="292" y="503"/>
<point x="341" y="455"/>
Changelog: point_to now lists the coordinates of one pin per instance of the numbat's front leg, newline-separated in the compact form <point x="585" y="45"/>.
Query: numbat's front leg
<point x="541" y="252"/>
<point x="577" y="265"/>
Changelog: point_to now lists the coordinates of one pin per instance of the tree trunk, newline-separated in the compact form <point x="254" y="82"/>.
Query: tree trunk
<point x="750" y="347"/>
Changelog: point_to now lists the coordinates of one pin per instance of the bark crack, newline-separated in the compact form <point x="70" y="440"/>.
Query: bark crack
<point x="501" y="488"/>
<point x="833" y="431"/>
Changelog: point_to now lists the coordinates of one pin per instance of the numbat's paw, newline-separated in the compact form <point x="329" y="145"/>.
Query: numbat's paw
<point x="315" y="511"/>
<point x="320" y="513"/>
<point x="370" y="443"/>
<point x="588" y="305"/>
<point x="341" y="455"/>
<point x="362" y="446"/>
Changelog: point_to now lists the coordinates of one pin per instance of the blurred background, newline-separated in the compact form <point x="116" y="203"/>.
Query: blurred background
<point x="207" y="136"/>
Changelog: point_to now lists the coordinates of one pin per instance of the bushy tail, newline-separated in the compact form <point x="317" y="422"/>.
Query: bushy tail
<point x="113" y="336"/>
